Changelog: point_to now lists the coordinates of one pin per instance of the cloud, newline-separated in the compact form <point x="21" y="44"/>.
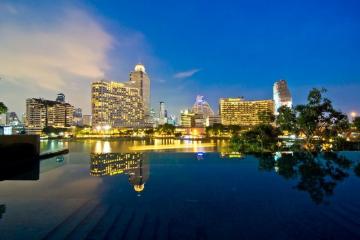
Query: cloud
<point x="186" y="74"/>
<point x="47" y="55"/>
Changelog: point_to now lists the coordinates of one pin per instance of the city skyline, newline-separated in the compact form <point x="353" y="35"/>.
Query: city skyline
<point x="308" y="45"/>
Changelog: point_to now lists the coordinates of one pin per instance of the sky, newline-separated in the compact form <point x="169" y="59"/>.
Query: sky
<point x="210" y="48"/>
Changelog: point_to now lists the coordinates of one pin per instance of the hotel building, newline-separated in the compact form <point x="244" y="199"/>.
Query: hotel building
<point x="116" y="104"/>
<point x="237" y="111"/>
<point x="122" y="104"/>
<point x="282" y="96"/>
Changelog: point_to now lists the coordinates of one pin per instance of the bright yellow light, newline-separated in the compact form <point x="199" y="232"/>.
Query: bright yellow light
<point x="353" y="114"/>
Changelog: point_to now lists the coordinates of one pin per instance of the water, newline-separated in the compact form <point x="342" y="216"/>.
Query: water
<point x="103" y="190"/>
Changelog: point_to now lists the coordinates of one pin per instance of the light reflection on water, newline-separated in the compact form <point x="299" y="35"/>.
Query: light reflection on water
<point x="185" y="194"/>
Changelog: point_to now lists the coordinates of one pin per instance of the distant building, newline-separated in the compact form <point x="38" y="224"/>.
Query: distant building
<point x="12" y="119"/>
<point x="202" y="107"/>
<point x="60" y="98"/>
<point x="237" y="111"/>
<point x="187" y="119"/>
<point x="87" y="120"/>
<point x="78" y="120"/>
<point x="282" y="96"/>
<point x="41" y="113"/>
<point x="162" y="113"/>
<point x="210" y="121"/>
<point x="116" y="104"/>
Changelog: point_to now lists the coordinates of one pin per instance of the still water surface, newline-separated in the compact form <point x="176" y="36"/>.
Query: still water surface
<point x="103" y="190"/>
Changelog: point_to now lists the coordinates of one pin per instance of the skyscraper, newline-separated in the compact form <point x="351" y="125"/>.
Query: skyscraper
<point x="162" y="113"/>
<point x="140" y="80"/>
<point x="282" y="96"/>
<point x="202" y="107"/>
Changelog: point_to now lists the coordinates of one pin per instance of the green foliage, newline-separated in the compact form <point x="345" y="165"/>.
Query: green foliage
<point x="266" y="117"/>
<point x="166" y="129"/>
<point x="216" y="130"/>
<point x="319" y="118"/>
<point x="48" y="130"/>
<point x="261" y="138"/>
<point x="356" y="123"/>
<point x="3" y="108"/>
<point x="286" y="120"/>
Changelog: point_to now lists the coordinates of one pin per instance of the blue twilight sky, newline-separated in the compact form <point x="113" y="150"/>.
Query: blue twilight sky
<point x="212" y="48"/>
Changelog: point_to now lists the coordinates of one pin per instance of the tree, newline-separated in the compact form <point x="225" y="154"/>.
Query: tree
<point x="266" y="117"/>
<point x="319" y="118"/>
<point x="3" y="108"/>
<point x="356" y="123"/>
<point x="261" y="138"/>
<point x="286" y="120"/>
<point x="166" y="129"/>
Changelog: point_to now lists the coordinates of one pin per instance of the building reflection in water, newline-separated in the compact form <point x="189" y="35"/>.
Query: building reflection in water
<point x="133" y="164"/>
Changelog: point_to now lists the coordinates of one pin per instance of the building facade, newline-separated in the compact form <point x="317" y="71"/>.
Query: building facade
<point x="237" y="111"/>
<point x="282" y="96"/>
<point x="140" y="79"/>
<point x="116" y="104"/>
<point x="41" y="113"/>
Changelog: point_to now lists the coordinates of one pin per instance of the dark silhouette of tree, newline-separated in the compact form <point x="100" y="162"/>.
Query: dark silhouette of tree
<point x="3" y="108"/>
<point x="356" y="123"/>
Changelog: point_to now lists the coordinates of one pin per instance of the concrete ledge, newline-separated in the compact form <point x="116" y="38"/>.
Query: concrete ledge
<point x="12" y="140"/>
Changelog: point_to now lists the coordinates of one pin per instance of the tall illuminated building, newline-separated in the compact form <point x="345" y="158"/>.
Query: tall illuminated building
<point x="140" y="79"/>
<point x="237" y="111"/>
<point x="282" y="96"/>
<point x="116" y="104"/>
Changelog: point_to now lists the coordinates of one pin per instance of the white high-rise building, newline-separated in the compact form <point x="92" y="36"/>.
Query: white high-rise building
<point x="282" y="96"/>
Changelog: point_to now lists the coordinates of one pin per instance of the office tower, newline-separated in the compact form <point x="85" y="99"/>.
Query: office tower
<point x="140" y="80"/>
<point x="60" y="98"/>
<point x="41" y="113"/>
<point x="116" y="104"/>
<point x="87" y="120"/>
<point x="78" y="121"/>
<point x="187" y="119"/>
<point x="282" y="96"/>
<point x="237" y="111"/>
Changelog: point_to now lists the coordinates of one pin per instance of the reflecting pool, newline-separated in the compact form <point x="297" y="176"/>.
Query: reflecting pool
<point x="101" y="190"/>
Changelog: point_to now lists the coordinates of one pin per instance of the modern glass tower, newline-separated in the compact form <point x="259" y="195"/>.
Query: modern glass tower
<point x="282" y="96"/>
